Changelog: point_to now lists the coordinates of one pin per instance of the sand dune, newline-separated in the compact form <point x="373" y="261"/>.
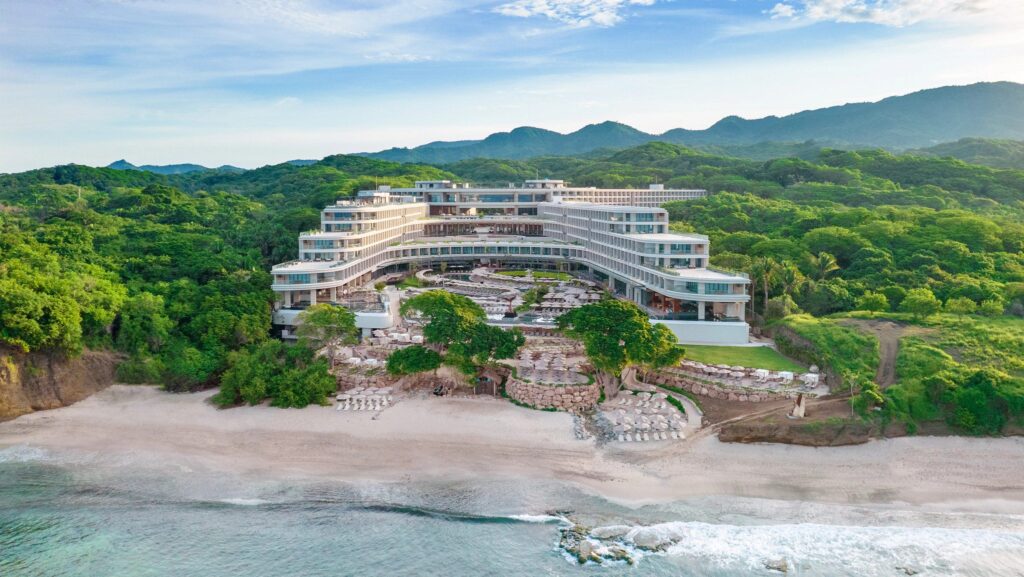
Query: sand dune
<point x="490" y="438"/>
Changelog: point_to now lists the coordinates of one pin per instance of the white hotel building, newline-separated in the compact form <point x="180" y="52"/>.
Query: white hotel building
<point x="616" y="236"/>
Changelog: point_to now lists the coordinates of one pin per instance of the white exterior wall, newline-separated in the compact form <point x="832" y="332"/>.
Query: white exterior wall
<point x="708" y="333"/>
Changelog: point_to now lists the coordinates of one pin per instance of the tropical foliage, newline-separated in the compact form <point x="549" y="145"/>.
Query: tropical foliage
<point x="456" y="326"/>
<point x="617" y="333"/>
<point x="170" y="270"/>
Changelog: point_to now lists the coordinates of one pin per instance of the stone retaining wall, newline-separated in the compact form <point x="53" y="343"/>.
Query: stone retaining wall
<point x="718" y="392"/>
<point x="572" y="398"/>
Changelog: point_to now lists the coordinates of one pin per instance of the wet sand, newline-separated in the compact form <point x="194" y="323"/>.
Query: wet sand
<point x="477" y="438"/>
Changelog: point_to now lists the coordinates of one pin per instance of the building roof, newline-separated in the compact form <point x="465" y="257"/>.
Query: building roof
<point x="666" y="236"/>
<point x="709" y="274"/>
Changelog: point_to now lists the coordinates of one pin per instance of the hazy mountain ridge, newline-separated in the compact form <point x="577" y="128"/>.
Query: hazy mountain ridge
<point x="171" y="168"/>
<point x="917" y="120"/>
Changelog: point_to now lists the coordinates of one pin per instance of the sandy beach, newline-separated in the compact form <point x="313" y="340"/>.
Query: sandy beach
<point x="432" y="438"/>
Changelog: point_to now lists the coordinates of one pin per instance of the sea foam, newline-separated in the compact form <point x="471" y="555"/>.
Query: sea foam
<point x="872" y="550"/>
<point x="22" y="454"/>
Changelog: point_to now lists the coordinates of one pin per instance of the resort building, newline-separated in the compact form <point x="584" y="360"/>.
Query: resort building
<point x="617" y="237"/>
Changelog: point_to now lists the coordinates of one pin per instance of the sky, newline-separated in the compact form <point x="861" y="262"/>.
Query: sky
<point x="254" y="82"/>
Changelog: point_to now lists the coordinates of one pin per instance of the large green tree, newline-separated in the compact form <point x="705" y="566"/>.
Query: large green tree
<point x="457" y="327"/>
<point x="326" y="325"/>
<point x="414" y="359"/>
<point x="617" y="333"/>
<point x="450" y="318"/>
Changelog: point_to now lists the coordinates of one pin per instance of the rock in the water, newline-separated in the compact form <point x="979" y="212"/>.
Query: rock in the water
<point x="574" y="541"/>
<point x="585" y="549"/>
<point x="651" y="539"/>
<point x="779" y="565"/>
<point x="610" y="532"/>
<point x="907" y="570"/>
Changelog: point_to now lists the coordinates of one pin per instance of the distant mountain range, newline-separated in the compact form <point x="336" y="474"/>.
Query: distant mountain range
<point x="171" y="168"/>
<point x="917" y="120"/>
<point x="979" y="123"/>
<point x="186" y="168"/>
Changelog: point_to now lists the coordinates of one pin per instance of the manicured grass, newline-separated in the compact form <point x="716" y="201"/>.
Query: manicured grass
<point x="411" y="282"/>
<point x="752" y="357"/>
<point x="538" y="274"/>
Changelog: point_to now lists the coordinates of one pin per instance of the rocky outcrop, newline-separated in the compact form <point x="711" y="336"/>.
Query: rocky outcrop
<point x="577" y="542"/>
<point x="572" y="398"/>
<point x="38" y="381"/>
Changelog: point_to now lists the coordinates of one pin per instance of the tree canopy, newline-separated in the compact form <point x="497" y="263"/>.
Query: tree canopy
<point x="457" y="326"/>
<point x="617" y="333"/>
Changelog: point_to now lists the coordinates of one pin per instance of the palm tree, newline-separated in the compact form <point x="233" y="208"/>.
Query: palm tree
<point x="789" y="278"/>
<point x="764" y="270"/>
<point x="824" y="265"/>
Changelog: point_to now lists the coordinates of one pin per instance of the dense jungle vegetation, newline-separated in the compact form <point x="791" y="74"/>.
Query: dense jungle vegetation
<point x="172" y="269"/>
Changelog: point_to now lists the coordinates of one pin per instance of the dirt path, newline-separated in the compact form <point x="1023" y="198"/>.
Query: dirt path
<point x="889" y="334"/>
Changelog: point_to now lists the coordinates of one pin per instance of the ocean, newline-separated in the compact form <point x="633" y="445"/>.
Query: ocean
<point x="62" y="517"/>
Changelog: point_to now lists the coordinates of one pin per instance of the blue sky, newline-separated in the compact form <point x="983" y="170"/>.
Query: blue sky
<point x="252" y="82"/>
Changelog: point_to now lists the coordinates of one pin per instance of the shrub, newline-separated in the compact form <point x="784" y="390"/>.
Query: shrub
<point x="872" y="301"/>
<point x="140" y="369"/>
<point x="288" y="375"/>
<point x="920" y="302"/>
<point x="991" y="308"/>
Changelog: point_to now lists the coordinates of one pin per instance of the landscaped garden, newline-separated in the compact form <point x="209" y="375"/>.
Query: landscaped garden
<point x="751" y="357"/>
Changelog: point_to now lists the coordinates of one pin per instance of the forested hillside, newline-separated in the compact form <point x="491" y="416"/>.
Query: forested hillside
<point x="171" y="270"/>
<point x="987" y="151"/>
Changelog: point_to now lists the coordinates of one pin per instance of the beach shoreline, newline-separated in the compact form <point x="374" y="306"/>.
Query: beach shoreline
<point x="466" y="439"/>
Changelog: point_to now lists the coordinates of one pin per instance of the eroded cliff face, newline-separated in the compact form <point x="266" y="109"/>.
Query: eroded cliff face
<point x="38" y="381"/>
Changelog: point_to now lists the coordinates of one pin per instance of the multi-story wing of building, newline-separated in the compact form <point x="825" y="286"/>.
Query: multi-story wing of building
<point x="618" y="237"/>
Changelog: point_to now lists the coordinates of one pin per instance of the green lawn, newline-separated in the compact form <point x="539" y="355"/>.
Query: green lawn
<point x="751" y="357"/>
<point x="411" y="282"/>
<point x="538" y="274"/>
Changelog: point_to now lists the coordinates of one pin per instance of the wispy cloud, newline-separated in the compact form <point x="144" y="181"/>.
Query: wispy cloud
<point x="573" y="12"/>
<point x="884" y="12"/>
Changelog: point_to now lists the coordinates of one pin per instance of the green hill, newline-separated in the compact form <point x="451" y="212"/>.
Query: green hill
<point x="987" y="151"/>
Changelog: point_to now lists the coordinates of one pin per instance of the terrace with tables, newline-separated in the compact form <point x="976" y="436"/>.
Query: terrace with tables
<point x="554" y="361"/>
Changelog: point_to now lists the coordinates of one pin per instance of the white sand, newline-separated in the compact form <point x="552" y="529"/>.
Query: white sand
<point x="491" y="438"/>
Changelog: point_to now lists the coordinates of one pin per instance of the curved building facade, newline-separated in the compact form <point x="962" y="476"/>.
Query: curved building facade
<point x="626" y="246"/>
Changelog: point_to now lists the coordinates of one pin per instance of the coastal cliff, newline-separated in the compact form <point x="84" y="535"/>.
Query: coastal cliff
<point x="38" y="381"/>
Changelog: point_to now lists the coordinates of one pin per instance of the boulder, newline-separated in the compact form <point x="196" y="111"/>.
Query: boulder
<point x="610" y="532"/>
<point x="651" y="539"/>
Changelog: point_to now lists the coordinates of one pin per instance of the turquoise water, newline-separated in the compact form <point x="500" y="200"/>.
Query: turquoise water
<point x="75" y="518"/>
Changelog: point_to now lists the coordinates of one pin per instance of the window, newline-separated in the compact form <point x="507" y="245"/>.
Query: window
<point x="716" y="288"/>
<point x="497" y="198"/>
<point x="322" y="244"/>
<point x="300" y="278"/>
